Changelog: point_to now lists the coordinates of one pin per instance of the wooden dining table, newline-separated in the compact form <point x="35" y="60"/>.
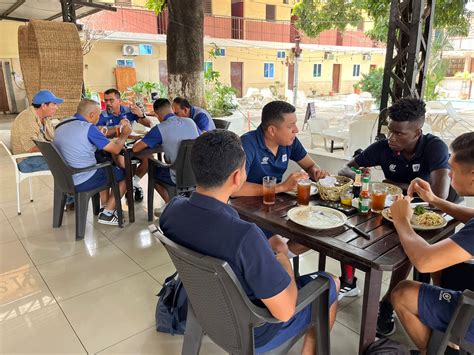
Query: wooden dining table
<point x="382" y="251"/>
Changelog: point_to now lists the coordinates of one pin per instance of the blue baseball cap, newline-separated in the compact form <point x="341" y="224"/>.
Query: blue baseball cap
<point x="44" y="96"/>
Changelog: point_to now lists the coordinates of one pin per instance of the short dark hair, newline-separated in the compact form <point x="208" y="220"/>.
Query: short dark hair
<point x="182" y="102"/>
<point x="39" y="105"/>
<point x="160" y="103"/>
<point x="215" y="155"/>
<point x="112" y="91"/>
<point x="272" y="113"/>
<point x="407" y="109"/>
<point x="463" y="148"/>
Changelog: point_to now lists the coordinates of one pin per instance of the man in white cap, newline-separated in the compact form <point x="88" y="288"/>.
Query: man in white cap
<point x="33" y="123"/>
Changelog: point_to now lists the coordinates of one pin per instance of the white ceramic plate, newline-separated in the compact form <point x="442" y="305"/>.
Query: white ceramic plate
<point x="317" y="217"/>
<point x="314" y="190"/>
<point x="414" y="224"/>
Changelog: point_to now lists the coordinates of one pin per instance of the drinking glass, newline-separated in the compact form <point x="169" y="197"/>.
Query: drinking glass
<point x="303" y="192"/>
<point x="378" y="195"/>
<point x="269" y="184"/>
<point x="346" y="197"/>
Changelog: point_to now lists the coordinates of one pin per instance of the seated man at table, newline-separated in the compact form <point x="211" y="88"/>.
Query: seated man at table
<point x="268" y="150"/>
<point x="406" y="154"/>
<point x="169" y="133"/>
<point x="34" y="123"/>
<point x="110" y="118"/>
<point x="423" y="307"/>
<point x="218" y="162"/>
<point x="201" y="117"/>
<point x="77" y="138"/>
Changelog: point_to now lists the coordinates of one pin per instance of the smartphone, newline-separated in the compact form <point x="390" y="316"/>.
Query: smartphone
<point x="348" y="210"/>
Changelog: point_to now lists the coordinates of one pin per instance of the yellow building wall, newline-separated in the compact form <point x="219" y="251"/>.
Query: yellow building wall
<point x="9" y="39"/>
<point x="221" y="7"/>
<point x="256" y="9"/>
<point x="99" y="65"/>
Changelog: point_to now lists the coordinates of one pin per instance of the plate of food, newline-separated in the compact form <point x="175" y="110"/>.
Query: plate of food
<point x="317" y="217"/>
<point x="392" y="189"/>
<point x="423" y="219"/>
<point x="314" y="190"/>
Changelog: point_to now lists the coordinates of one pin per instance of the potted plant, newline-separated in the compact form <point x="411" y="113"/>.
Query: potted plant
<point x="357" y="88"/>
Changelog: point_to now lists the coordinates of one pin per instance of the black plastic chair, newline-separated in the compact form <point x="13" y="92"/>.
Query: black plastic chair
<point x="185" y="180"/>
<point x="219" y="307"/>
<point x="457" y="328"/>
<point x="63" y="184"/>
<point x="221" y="124"/>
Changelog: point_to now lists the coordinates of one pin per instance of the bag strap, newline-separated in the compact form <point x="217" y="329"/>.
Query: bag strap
<point x="64" y="122"/>
<point x="176" y="295"/>
<point x="169" y="278"/>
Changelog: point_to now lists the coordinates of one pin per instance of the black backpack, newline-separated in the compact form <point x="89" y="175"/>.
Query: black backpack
<point x="172" y="307"/>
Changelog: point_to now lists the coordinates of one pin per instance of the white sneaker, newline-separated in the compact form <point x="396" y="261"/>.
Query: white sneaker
<point x="348" y="290"/>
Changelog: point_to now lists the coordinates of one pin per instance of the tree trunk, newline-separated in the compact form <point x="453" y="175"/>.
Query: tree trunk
<point x="185" y="47"/>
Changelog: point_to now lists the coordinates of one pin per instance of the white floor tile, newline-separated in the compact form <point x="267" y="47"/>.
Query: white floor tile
<point x="13" y="257"/>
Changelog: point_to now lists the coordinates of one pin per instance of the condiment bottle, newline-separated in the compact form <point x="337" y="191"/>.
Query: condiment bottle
<point x="364" y="197"/>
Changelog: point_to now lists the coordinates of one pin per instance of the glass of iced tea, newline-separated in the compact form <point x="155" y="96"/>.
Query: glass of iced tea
<point x="303" y="191"/>
<point x="269" y="184"/>
<point x="378" y="195"/>
<point x="118" y="129"/>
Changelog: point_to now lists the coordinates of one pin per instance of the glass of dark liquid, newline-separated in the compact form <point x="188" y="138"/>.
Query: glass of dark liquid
<point x="269" y="185"/>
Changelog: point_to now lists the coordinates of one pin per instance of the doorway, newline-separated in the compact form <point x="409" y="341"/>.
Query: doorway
<point x="336" y="77"/>
<point x="236" y="77"/>
<point x="291" y="76"/>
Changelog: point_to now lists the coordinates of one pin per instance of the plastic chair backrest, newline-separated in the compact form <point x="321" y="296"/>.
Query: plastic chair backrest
<point x="217" y="298"/>
<point x="317" y="126"/>
<point x="361" y="135"/>
<point x="184" y="172"/>
<point x="221" y="124"/>
<point x="62" y="173"/>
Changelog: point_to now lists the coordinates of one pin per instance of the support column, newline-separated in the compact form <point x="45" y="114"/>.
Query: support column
<point x="68" y="10"/>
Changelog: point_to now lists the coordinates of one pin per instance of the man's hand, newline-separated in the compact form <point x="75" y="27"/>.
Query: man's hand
<point x="401" y="209"/>
<point x="103" y="130"/>
<point x="317" y="173"/>
<point x="124" y="122"/>
<point x="125" y="130"/>
<point x="136" y="110"/>
<point x="423" y="189"/>
<point x="292" y="181"/>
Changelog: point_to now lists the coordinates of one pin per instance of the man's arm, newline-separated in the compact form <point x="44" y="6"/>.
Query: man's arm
<point x="252" y="189"/>
<point x="347" y="169"/>
<point x="439" y="181"/>
<point x="425" y="257"/>
<point x="423" y="189"/>
<point x="282" y="306"/>
<point x="115" y="147"/>
<point x="139" y="146"/>
<point x="145" y="121"/>
<point x="33" y="149"/>
<point x="311" y="168"/>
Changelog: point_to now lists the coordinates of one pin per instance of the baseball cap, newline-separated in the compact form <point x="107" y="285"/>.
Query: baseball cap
<point x="44" y="96"/>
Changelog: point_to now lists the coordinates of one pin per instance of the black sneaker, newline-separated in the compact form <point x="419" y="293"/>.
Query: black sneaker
<point x="111" y="220"/>
<point x="138" y="193"/>
<point x="385" y="320"/>
<point x="348" y="289"/>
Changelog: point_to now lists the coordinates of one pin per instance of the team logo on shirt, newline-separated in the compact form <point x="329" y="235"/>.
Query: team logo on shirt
<point x="392" y="168"/>
<point x="284" y="158"/>
<point x="264" y="160"/>
<point x="416" y="167"/>
<point x="446" y="296"/>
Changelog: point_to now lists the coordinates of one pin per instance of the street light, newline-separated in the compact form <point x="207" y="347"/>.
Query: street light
<point x="297" y="52"/>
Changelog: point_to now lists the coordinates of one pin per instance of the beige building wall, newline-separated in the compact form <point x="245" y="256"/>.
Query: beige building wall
<point x="221" y="8"/>
<point x="256" y="9"/>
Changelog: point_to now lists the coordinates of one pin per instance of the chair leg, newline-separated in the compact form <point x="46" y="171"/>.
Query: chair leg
<point x="58" y="208"/>
<point x="321" y="327"/>
<point x="118" y="203"/>
<point x="193" y="334"/>
<point x="81" y="201"/>
<point x="18" y="195"/>
<point x="31" y="189"/>
<point x="150" y="192"/>
<point x="296" y="266"/>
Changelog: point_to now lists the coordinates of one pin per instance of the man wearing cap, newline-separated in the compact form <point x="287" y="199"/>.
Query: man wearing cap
<point x="34" y="123"/>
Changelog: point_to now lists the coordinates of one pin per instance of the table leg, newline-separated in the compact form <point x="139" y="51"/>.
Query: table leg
<point x="322" y="262"/>
<point x="332" y="146"/>
<point x="370" y="307"/>
<point x="129" y="184"/>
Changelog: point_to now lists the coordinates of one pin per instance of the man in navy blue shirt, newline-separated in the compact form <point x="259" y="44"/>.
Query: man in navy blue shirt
<point x="171" y="131"/>
<point x="201" y="117"/>
<point x="423" y="307"/>
<point x="218" y="162"/>
<point x="111" y="117"/>
<point x="268" y="150"/>
<point x="406" y="154"/>
<point x="77" y="139"/>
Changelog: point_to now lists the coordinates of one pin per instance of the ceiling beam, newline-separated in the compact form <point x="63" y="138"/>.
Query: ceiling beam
<point x="54" y="17"/>
<point x="11" y="18"/>
<point x="12" y="8"/>
<point x="96" y="6"/>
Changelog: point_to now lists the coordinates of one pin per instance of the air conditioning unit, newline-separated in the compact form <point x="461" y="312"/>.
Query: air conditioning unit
<point x="328" y="56"/>
<point x="130" y="49"/>
<point x="366" y="56"/>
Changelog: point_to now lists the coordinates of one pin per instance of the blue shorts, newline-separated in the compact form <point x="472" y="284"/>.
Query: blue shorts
<point x="32" y="164"/>
<point x="100" y="179"/>
<point x="295" y="325"/>
<point x="436" y="306"/>
<point x="163" y="175"/>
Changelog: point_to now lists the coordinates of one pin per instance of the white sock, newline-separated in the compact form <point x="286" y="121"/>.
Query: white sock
<point x="108" y="212"/>
<point x="136" y="181"/>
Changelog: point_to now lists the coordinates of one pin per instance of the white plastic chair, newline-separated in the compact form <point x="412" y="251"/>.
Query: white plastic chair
<point x="362" y="133"/>
<point x="20" y="176"/>
<point x="456" y="120"/>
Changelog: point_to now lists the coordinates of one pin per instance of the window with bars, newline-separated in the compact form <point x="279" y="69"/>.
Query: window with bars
<point x="455" y="65"/>
<point x="356" y="70"/>
<point x="317" y="70"/>
<point x="270" y="13"/>
<point x="281" y="54"/>
<point x="207" y="4"/>
<point x="268" y="70"/>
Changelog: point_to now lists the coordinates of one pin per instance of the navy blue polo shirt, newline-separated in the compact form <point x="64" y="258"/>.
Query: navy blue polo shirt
<point x="111" y="120"/>
<point x="203" y="119"/>
<point x="431" y="154"/>
<point x="214" y="228"/>
<point x="260" y="161"/>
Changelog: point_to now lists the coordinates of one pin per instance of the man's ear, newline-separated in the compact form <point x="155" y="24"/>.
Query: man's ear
<point x="271" y="130"/>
